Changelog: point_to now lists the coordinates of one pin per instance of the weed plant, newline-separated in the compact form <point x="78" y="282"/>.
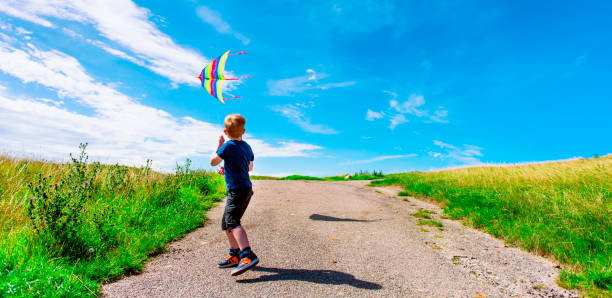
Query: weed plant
<point x="65" y="228"/>
<point x="422" y="213"/>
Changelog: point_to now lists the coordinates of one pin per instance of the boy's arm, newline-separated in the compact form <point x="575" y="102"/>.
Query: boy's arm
<point x="252" y="158"/>
<point x="216" y="159"/>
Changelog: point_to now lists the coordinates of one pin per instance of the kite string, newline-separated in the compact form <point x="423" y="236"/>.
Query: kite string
<point x="237" y="79"/>
<point x="240" y="53"/>
<point x="217" y="110"/>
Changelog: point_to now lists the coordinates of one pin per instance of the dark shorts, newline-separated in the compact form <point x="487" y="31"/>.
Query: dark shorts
<point x="235" y="205"/>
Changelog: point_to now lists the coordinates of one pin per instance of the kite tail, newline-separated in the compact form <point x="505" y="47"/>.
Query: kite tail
<point x="240" y="53"/>
<point x="237" y="79"/>
<point x="232" y="97"/>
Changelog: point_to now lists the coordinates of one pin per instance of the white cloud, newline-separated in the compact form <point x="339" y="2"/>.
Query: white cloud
<point x="306" y="105"/>
<point x="313" y="74"/>
<point x="283" y="149"/>
<point x="214" y="18"/>
<point x="439" y="116"/>
<point x="410" y="106"/>
<point x="393" y="94"/>
<point x="371" y="160"/>
<point x="293" y="86"/>
<point x="397" y="120"/>
<point x="118" y="128"/>
<point x="71" y="33"/>
<point x="116" y="52"/>
<point x="466" y="154"/>
<point x="22" y="31"/>
<point x="413" y="106"/>
<point x="371" y="115"/>
<point x="335" y="85"/>
<point x="123" y="22"/>
<point x="295" y="115"/>
<point x="12" y="8"/>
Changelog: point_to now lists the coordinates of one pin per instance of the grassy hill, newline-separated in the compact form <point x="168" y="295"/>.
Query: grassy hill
<point x="357" y="176"/>
<point x="560" y="209"/>
<point x="65" y="228"/>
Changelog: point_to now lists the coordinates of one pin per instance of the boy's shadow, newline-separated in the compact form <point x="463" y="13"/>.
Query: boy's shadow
<point x="329" y="277"/>
<point x="331" y="218"/>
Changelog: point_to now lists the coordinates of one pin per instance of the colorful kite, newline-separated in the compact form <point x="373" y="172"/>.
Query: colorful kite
<point x="212" y="77"/>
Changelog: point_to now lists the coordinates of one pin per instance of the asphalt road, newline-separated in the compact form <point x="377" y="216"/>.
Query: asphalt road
<point x="342" y="239"/>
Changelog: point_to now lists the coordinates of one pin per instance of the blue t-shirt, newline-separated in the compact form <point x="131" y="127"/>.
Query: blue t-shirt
<point x="237" y="155"/>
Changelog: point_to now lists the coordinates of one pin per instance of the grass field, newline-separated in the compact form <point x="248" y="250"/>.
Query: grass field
<point x="561" y="210"/>
<point x="65" y="228"/>
<point x="357" y="176"/>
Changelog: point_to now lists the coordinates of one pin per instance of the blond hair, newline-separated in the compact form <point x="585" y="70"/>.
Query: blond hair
<point x="234" y="124"/>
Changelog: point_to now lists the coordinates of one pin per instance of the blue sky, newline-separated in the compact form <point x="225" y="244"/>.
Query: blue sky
<point x="335" y="87"/>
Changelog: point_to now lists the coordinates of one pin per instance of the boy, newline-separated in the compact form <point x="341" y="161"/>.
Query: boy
<point x="238" y="161"/>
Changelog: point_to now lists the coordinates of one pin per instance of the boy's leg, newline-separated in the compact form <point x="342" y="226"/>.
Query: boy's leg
<point x="233" y="257"/>
<point x="248" y="259"/>
<point x="239" y="236"/>
<point x="232" y="240"/>
<point x="234" y="211"/>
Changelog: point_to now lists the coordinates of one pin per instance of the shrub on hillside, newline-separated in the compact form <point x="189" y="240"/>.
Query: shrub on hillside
<point x="56" y="207"/>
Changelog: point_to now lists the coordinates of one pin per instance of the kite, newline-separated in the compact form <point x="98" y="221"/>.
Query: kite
<point x="212" y="77"/>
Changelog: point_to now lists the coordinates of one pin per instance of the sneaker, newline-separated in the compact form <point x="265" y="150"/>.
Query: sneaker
<point x="230" y="261"/>
<point x="246" y="263"/>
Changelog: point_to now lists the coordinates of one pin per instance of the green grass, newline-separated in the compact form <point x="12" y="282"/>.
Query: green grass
<point x="300" y="177"/>
<point x="109" y="226"/>
<point x="433" y="223"/>
<point x="362" y="175"/>
<point x="257" y="177"/>
<point x="422" y="213"/>
<point x="562" y="210"/>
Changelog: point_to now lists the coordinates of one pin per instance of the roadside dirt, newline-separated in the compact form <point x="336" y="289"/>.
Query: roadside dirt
<point x="343" y="239"/>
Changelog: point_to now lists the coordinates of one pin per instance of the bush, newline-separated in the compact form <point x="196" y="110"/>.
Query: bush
<point x="56" y="207"/>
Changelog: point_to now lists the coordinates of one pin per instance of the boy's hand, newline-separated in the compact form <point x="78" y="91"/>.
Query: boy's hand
<point x="215" y="159"/>
<point x="221" y="170"/>
<point x="221" y="141"/>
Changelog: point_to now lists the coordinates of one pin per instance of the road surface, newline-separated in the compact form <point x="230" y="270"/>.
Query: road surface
<point x="342" y="239"/>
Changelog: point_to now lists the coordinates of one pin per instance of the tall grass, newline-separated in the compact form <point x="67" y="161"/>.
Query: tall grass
<point x="562" y="210"/>
<point x="65" y="228"/>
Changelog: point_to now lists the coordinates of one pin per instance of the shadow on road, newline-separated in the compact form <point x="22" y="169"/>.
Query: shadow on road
<point x="329" y="277"/>
<point x="331" y="218"/>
